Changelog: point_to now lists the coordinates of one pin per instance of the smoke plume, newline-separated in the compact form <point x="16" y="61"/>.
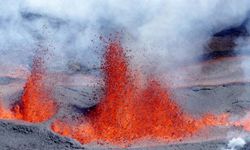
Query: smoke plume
<point x="158" y="33"/>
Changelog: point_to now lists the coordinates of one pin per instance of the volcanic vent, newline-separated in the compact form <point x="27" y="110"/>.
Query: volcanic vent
<point x="131" y="109"/>
<point x="37" y="103"/>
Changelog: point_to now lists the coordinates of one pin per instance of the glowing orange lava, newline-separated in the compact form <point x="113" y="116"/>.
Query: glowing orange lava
<point x="5" y="113"/>
<point x="244" y="122"/>
<point x="132" y="109"/>
<point x="37" y="104"/>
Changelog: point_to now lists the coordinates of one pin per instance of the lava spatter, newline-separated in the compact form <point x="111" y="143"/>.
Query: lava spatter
<point x="37" y="103"/>
<point x="5" y="113"/>
<point x="129" y="111"/>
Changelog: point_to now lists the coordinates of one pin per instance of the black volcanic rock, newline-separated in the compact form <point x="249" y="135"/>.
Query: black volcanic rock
<point x="21" y="136"/>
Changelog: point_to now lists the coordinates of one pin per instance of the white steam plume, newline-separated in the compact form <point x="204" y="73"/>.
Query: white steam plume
<point x="235" y="144"/>
<point x="161" y="32"/>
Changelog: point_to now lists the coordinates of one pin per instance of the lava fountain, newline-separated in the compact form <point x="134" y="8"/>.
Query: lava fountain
<point x="37" y="103"/>
<point x="132" y="109"/>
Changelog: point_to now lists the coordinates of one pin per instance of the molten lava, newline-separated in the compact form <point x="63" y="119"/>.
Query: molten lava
<point x="5" y="113"/>
<point x="130" y="108"/>
<point x="37" y="104"/>
<point x="244" y="122"/>
<point x="133" y="109"/>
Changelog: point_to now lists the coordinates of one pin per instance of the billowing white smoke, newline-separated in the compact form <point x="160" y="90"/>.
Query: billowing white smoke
<point x="160" y="32"/>
<point x="235" y="144"/>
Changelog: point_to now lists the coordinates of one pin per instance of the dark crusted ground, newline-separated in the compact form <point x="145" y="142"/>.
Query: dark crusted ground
<point x="21" y="136"/>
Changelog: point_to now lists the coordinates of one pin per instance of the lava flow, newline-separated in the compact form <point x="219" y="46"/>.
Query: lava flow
<point x="37" y="104"/>
<point x="131" y="109"/>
